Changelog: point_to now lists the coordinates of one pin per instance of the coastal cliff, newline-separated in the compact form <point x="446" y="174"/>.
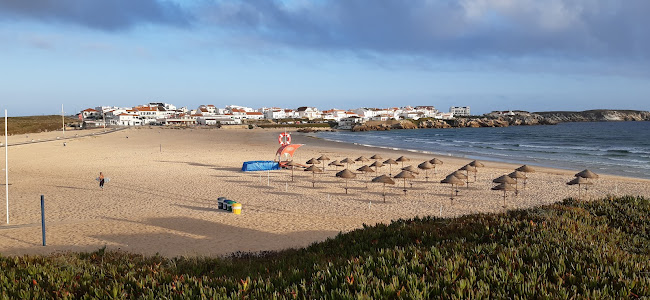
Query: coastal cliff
<point x="600" y="115"/>
<point x="519" y="118"/>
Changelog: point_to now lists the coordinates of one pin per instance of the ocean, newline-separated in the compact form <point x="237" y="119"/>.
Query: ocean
<point x="616" y="148"/>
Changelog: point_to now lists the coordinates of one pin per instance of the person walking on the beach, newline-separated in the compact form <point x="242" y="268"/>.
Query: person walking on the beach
<point x="101" y="180"/>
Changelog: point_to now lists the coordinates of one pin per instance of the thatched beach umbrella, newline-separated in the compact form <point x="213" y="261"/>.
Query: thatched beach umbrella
<point x="477" y="164"/>
<point x="346" y="174"/>
<point x="526" y="169"/>
<point x="390" y="162"/>
<point x="411" y="169"/>
<point x="383" y="179"/>
<point x="505" y="187"/>
<point x="313" y="169"/>
<point x="312" y="161"/>
<point x="460" y="175"/>
<point x="362" y="159"/>
<point x="516" y="175"/>
<point x="467" y="169"/>
<point x="365" y="169"/>
<point x="426" y="166"/>
<point x="579" y="181"/>
<point x="322" y="159"/>
<point x="435" y="162"/>
<point x="347" y="161"/>
<point x="454" y="182"/>
<point x="404" y="175"/>
<point x="586" y="174"/>
<point x="377" y="164"/>
<point x="291" y="165"/>
<point x="376" y="157"/>
<point x="402" y="159"/>
<point x="504" y="179"/>
<point x="336" y="164"/>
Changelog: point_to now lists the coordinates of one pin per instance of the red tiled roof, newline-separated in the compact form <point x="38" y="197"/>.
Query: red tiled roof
<point x="89" y="109"/>
<point x="254" y="113"/>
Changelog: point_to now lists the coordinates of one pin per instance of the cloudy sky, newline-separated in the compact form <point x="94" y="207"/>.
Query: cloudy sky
<point x="488" y="54"/>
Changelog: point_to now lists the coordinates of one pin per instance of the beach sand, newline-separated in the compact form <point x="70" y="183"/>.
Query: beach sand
<point x="162" y="196"/>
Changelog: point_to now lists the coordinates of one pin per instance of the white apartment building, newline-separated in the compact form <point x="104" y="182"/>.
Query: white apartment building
<point x="459" y="110"/>
<point x="275" y="114"/>
<point x="308" y="112"/>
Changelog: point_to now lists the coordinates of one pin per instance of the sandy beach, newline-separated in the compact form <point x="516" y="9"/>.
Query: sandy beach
<point x="164" y="184"/>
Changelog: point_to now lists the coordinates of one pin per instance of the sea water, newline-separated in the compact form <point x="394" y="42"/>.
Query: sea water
<point x="617" y="148"/>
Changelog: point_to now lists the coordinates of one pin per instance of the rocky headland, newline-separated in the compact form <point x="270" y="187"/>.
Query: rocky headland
<point x="505" y="119"/>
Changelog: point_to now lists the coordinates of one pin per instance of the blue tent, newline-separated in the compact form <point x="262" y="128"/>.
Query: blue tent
<point x="260" y="165"/>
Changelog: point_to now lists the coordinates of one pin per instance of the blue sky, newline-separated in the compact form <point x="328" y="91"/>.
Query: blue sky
<point x="488" y="54"/>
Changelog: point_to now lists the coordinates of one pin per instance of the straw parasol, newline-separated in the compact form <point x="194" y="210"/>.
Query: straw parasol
<point x="435" y="162"/>
<point x="347" y="161"/>
<point x="516" y="175"/>
<point x="293" y="166"/>
<point x="467" y="168"/>
<point x="526" y="169"/>
<point x="580" y="181"/>
<point x="404" y="175"/>
<point x="477" y="164"/>
<point x="460" y="175"/>
<point x="376" y="157"/>
<point x="505" y="187"/>
<point x="426" y="166"/>
<point x="336" y="164"/>
<point x="411" y="169"/>
<point x="504" y="179"/>
<point x="377" y="164"/>
<point x="365" y="169"/>
<point x="313" y="169"/>
<point x="323" y="158"/>
<point x="586" y="174"/>
<point x="312" y="161"/>
<point x="453" y="181"/>
<point x="402" y="159"/>
<point x="390" y="162"/>
<point x="346" y="174"/>
<point x="383" y="179"/>
<point x="362" y="159"/>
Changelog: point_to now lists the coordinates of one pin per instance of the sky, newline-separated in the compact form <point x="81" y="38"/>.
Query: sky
<point x="487" y="54"/>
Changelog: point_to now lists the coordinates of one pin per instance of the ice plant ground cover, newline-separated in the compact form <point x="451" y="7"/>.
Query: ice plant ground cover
<point x="581" y="249"/>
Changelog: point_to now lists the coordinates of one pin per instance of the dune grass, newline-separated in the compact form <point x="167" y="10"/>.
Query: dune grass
<point x="598" y="249"/>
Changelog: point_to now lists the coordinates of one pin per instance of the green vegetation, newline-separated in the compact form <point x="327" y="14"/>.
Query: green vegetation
<point x="22" y="125"/>
<point x="595" y="250"/>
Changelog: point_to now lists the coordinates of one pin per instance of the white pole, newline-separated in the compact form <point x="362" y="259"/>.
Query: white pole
<point x="6" y="167"/>
<point x="63" y="119"/>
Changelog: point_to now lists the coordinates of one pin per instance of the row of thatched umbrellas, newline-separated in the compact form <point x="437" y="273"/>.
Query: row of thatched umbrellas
<point x="510" y="182"/>
<point x="406" y="173"/>
<point x="582" y="178"/>
<point x="505" y="183"/>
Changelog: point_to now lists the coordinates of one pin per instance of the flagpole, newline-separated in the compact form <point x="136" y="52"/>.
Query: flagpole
<point x="6" y="166"/>
<point x="63" y="119"/>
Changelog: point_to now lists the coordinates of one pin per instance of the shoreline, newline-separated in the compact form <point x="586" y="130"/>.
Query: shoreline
<point x="164" y="185"/>
<point x="330" y="144"/>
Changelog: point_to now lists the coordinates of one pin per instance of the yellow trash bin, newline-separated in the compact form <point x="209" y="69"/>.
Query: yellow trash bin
<point x="236" y="208"/>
